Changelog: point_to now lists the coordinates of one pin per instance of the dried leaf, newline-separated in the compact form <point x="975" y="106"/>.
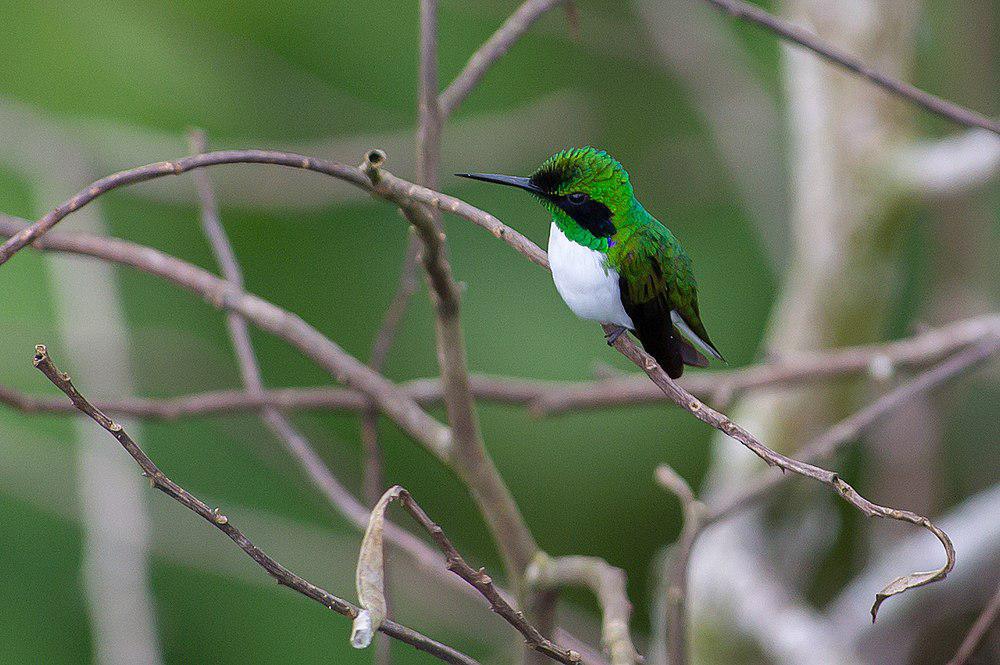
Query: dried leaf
<point x="370" y="578"/>
<point x="913" y="580"/>
<point x="901" y="584"/>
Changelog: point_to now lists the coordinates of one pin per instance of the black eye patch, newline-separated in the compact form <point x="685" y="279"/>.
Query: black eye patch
<point x="588" y="213"/>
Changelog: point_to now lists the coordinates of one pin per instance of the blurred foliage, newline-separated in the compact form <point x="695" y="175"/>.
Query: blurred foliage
<point x="265" y="73"/>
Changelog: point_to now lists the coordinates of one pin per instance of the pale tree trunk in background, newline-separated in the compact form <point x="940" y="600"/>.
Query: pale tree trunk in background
<point x="111" y="493"/>
<point x="841" y="281"/>
<point x="94" y="342"/>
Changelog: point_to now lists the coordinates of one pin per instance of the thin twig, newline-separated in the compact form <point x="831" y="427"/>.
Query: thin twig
<point x="297" y="445"/>
<point x="608" y="585"/>
<point x="748" y="12"/>
<point x="220" y="521"/>
<point x="491" y="51"/>
<point x="544" y="398"/>
<point x="675" y="571"/>
<point x="374" y="481"/>
<point x="483" y="583"/>
<point x="978" y="631"/>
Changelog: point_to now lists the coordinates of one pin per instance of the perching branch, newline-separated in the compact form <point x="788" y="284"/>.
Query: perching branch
<point x="285" y="577"/>
<point x="722" y="423"/>
<point x="698" y="517"/>
<point x="753" y="14"/>
<point x="827" y="444"/>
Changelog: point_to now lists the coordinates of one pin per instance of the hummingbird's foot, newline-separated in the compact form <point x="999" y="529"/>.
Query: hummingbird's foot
<point x="612" y="337"/>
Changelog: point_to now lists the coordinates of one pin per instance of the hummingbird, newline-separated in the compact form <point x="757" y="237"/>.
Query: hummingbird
<point x="612" y="261"/>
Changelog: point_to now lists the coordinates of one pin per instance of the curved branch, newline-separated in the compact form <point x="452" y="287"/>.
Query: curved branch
<point x="160" y="169"/>
<point x="285" y="577"/>
<point x="608" y="584"/>
<point x="829" y="442"/>
<point x="721" y="422"/>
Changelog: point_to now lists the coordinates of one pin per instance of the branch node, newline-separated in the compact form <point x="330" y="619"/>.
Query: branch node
<point x="373" y="160"/>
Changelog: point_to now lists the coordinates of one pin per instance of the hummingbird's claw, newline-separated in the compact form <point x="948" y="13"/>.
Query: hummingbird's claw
<point x="612" y="337"/>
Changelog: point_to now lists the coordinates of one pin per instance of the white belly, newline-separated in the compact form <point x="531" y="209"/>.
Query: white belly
<point x="584" y="281"/>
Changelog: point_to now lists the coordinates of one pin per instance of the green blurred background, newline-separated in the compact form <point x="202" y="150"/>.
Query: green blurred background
<point x="93" y="87"/>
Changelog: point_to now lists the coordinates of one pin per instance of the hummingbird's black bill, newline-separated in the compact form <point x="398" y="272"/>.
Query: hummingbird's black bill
<point x="509" y="180"/>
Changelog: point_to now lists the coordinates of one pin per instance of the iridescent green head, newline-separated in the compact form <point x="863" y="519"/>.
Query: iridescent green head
<point x="586" y="190"/>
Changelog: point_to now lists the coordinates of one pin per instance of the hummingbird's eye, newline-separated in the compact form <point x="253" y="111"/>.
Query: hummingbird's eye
<point x="577" y="198"/>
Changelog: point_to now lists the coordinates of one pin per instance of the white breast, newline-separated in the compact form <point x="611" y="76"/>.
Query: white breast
<point x="584" y="281"/>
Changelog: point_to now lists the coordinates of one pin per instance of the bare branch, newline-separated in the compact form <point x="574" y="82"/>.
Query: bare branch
<point x="697" y="517"/>
<point x="978" y="631"/>
<point x="478" y="579"/>
<point x="220" y="521"/>
<point x="608" y="584"/>
<point x="492" y="50"/>
<point x="546" y="398"/>
<point x="748" y="12"/>
<point x="722" y="423"/>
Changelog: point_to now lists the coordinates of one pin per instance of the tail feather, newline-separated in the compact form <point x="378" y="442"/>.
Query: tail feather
<point x="666" y="349"/>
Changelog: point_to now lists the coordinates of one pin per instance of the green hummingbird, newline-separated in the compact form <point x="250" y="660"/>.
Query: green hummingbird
<point x="612" y="261"/>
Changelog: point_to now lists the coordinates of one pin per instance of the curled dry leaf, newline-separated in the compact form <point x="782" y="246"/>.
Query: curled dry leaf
<point x="904" y="583"/>
<point x="370" y="576"/>
<point x="913" y="580"/>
